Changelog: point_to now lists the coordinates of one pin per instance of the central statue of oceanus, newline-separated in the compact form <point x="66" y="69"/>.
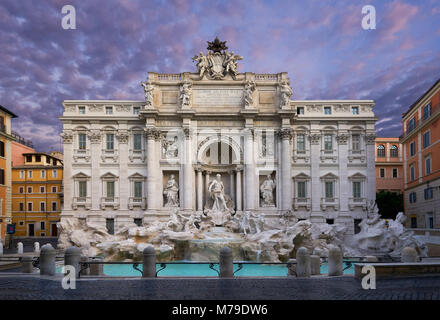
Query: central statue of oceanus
<point x="220" y="206"/>
<point x="218" y="62"/>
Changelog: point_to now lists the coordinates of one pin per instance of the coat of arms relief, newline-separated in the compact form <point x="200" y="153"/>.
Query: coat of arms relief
<point x="218" y="62"/>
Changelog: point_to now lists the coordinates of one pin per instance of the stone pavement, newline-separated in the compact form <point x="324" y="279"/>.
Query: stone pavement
<point x="335" y="288"/>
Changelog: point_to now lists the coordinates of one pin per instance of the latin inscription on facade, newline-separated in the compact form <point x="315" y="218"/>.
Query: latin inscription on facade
<point x="218" y="97"/>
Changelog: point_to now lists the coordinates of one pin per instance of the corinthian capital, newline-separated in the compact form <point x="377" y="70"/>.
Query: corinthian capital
<point x="152" y="133"/>
<point x="67" y="136"/>
<point x="285" y="133"/>
<point x="370" y="138"/>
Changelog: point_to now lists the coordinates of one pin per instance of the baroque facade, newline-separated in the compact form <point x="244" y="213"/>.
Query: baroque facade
<point x="218" y="130"/>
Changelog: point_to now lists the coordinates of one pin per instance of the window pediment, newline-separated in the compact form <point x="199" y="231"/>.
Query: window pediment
<point x="329" y="176"/>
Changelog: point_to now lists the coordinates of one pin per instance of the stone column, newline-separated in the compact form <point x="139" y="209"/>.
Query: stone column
<point x="124" y="182"/>
<point x="231" y="184"/>
<point x="238" y="190"/>
<point x="286" y="169"/>
<point x="199" y="190"/>
<point x="152" y="171"/>
<point x="316" y="194"/>
<point x="249" y="171"/>
<point x="188" y="172"/>
<point x="67" y="170"/>
<point x="95" y="151"/>
<point x="207" y="179"/>
<point x="371" y="166"/>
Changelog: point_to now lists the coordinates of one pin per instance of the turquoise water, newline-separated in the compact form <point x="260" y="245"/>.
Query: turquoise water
<point x="203" y="270"/>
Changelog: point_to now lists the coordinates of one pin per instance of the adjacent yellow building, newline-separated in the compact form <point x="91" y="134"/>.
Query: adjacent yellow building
<point x="37" y="195"/>
<point x="5" y="170"/>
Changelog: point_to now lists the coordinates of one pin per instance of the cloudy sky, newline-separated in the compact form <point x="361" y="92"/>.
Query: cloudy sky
<point x="321" y="44"/>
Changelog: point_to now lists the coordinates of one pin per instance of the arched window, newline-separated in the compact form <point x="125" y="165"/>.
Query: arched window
<point x="394" y="151"/>
<point x="380" y="151"/>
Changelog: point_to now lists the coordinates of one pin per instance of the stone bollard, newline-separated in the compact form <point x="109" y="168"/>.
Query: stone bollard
<point x="226" y="263"/>
<point x="72" y="257"/>
<point x="47" y="260"/>
<point x="36" y="247"/>
<point x="291" y="267"/>
<point x="96" y="269"/>
<point x="20" y="248"/>
<point x="149" y="263"/>
<point x="303" y="263"/>
<point x="371" y="259"/>
<point x="315" y="265"/>
<point x="26" y="264"/>
<point x="409" y="255"/>
<point x="335" y="262"/>
<point x="1" y="248"/>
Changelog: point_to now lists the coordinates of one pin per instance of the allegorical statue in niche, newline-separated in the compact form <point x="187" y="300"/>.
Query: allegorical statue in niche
<point x="286" y="93"/>
<point x="217" y="191"/>
<point x="148" y="88"/>
<point x="202" y="63"/>
<point x="171" y="192"/>
<point x="171" y="148"/>
<point x="266" y="191"/>
<point x="185" y="94"/>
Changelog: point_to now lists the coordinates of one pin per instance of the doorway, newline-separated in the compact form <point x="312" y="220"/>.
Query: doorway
<point x="31" y="230"/>
<point x="53" y="230"/>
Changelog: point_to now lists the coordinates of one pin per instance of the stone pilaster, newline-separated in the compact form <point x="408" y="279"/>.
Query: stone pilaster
<point x="94" y="137"/>
<point x="199" y="190"/>
<point x="238" y="189"/>
<point x="249" y="171"/>
<point x="68" y="183"/>
<point x="153" y="183"/>
<point x="286" y="169"/>
<point x="371" y="166"/>
<point x="188" y="171"/>
<point x="124" y="182"/>
<point x="315" y="151"/>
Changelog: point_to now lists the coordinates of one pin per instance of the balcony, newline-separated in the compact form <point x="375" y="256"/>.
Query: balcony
<point x="137" y="202"/>
<point x="331" y="155"/>
<point x="109" y="154"/>
<point x="305" y="203"/>
<point x="82" y="202"/>
<point x="329" y="203"/>
<point x="81" y="154"/>
<point x="357" y="203"/>
<point x="136" y="155"/>
<point x="435" y="110"/>
<point x="109" y="202"/>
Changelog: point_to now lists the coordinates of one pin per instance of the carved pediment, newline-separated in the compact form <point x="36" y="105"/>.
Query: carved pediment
<point x="357" y="176"/>
<point x="109" y="175"/>
<point x="302" y="176"/>
<point x="329" y="176"/>
<point x="81" y="175"/>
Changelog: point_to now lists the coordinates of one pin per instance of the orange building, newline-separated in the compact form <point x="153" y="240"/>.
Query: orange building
<point x="37" y="195"/>
<point x="20" y="146"/>
<point x="421" y="157"/>
<point x="389" y="165"/>
<point x="5" y="170"/>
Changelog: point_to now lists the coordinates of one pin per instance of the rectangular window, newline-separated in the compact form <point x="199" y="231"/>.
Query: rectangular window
<point x="21" y="190"/>
<point x="137" y="141"/>
<point x="411" y="124"/>
<point x="110" y="189"/>
<point x="300" y="142"/>
<point x="2" y="149"/>
<point x="21" y="206"/>
<point x="429" y="221"/>
<point x="42" y="225"/>
<point x="412" y="197"/>
<point x="395" y="172"/>
<point x="110" y="143"/>
<point x="428" y="165"/>
<point x="355" y="110"/>
<point x="42" y="206"/>
<point x="54" y="206"/>
<point x="54" y="189"/>
<point x="41" y="189"/>
<point x="21" y="174"/>
<point x="54" y="173"/>
<point x="302" y="189"/>
<point x="136" y="110"/>
<point x="328" y="142"/>
<point x="300" y="110"/>
<point x="138" y="189"/>
<point x="426" y="139"/>
<point x="47" y="159"/>
<point x="82" y="188"/>
<point x="382" y="172"/>
<point x="428" y="193"/>
<point x="29" y="206"/>
<point x="329" y="189"/>
<point x="30" y="174"/>
<point x="327" y="110"/>
<point x="427" y="111"/>
<point x="108" y="110"/>
<point x="82" y="110"/>
<point x="412" y="173"/>
<point x="43" y="174"/>
<point x="356" y="189"/>
<point x="413" y="222"/>
<point x="356" y="139"/>
<point x="2" y="176"/>
<point x="82" y="138"/>
<point x="29" y="190"/>
<point x="412" y="148"/>
<point x="37" y="158"/>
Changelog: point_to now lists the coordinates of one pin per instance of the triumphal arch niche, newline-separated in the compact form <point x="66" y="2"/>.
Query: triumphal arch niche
<point x="224" y="138"/>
